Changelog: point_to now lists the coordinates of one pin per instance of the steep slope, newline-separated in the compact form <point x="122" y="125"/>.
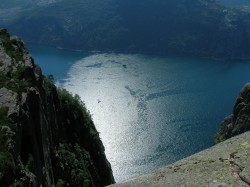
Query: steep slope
<point x="170" y="27"/>
<point x="47" y="136"/>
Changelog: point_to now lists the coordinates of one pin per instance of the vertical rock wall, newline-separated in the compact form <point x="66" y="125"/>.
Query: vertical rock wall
<point x="239" y="121"/>
<point x="47" y="136"/>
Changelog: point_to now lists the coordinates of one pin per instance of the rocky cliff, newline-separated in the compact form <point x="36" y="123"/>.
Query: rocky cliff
<point x="47" y="136"/>
<point x="239" y="121"/>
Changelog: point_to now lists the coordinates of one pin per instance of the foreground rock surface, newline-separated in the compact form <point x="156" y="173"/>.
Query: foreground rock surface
<point x="47" y="137"/>
<point x="225" y="164"/>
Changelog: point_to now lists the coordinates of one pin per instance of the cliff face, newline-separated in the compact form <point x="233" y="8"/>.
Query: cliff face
<point x="239" y="121"/>
<point x="47" y="136"/>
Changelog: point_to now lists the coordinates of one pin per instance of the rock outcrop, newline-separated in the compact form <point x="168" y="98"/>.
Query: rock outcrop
<point x="225" y="164"/>
<point x="239" y="121"/>
<point x="47" y="137"/>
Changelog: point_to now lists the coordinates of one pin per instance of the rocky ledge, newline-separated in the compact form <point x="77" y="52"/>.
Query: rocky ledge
<point x="47" y="137"/>
<point x="225" y="164"/>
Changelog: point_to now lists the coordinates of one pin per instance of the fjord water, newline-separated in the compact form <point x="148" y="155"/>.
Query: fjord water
<point x="150" y="110"/>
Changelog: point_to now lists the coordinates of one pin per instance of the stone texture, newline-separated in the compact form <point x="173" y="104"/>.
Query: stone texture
<point x="239" y="121"/>
<point x="8" y="99"/>
<point x="5" y="67"/>
<point x="225" y="164"/>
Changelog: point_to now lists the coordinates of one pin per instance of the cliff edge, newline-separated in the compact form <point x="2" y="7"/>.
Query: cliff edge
<point x="47" y="137"/>
<point x="225" y="164"/>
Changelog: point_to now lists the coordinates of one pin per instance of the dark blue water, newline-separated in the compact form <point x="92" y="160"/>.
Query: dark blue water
<point x="150" y="110"/>
<point x="55" y="61"/>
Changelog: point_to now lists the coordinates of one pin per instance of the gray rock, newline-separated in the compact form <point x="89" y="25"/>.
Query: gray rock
<point x="239" y="121"/>
<point x="8" y="99"/>
<point x="5" y="62"/>
<point x="225" y="164"/>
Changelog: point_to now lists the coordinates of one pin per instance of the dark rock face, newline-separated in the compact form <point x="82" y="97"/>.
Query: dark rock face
<point x="239" y="121"/>
<point x="47" y="137"/>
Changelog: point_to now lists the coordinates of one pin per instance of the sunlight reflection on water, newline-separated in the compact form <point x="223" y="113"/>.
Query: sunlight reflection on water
<point x="151" y="111"/>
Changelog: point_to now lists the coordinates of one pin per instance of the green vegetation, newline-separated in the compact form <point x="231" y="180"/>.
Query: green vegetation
<point x="218" y="138"/>
<point x="78" y="138"/>
<point x="4" y="120"/>
<point x="20" y="80"/>
<point x="30" y="164"/>
<point x="51" y="120"/>
<point x="12" y="51"/>
<point x="7" y="166"/>
<point x="73" y="108"/>
<point x="12" y="47"/>
<point x="60" y="183"/>
<point x="49" y="84"/>
<point x="78" y="121"/>
<point x="17" y="183"/>
<point x="75" y="162"/>
<point x="81" y="144"/>
<point x="3" y="116"/>
<point x="190" y="28"/>
<point x="6" y="159"/>
<point x="7" y="123"/>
